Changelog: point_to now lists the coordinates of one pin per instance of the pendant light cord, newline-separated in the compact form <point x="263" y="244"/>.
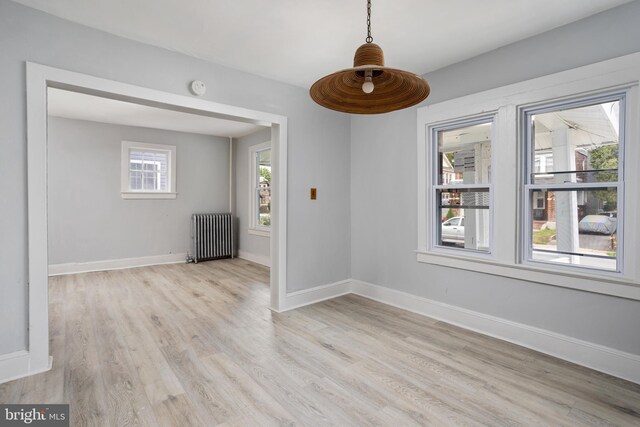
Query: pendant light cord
<point x="369" y="39"/>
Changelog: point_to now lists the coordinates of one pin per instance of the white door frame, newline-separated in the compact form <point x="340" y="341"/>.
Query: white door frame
<point x="39" y="78"/>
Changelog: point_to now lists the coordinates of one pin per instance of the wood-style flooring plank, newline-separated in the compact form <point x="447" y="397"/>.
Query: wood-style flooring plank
<point x="196" y="345"/>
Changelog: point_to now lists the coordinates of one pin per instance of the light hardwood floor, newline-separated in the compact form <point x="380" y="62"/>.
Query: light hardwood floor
<point x="189" y="344"/>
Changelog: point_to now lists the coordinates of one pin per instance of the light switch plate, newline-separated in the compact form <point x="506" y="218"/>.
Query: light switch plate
<point x="313" y="194"/>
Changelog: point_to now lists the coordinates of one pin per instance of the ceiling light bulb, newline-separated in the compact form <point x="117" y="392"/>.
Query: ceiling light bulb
<point x="367" y="86"/>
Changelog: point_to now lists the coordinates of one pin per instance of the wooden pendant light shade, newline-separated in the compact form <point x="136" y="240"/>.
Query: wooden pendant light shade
<point x="369" y="87"/>
<point x="368" y="54"/>
<point x="394" y="89"/>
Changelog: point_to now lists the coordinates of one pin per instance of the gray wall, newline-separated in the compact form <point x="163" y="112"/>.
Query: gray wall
<point x="250" y="243"/>
<point x="318" y="241"/>
<point x="384" y="218"/>
<point x="88" y="218"/>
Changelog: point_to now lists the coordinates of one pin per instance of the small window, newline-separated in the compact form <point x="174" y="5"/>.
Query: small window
<point x="539" y="199"/>
<point x="260" y="189"/>
<point x="574" y="184"/>
<point x="462" y="191"/>
<point x="148" y="170"/>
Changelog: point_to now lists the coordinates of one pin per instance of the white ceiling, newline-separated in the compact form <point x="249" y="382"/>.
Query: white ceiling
<point x="73" y="105"/>
<point x="299" y="41"/>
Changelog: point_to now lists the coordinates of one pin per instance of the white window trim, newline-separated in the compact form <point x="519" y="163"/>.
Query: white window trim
<point x="126" y="193"/>
<point x="255" y="228"/>
<point x="506" y="258"/>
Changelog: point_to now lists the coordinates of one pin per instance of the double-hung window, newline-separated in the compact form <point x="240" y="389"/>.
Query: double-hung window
<point x="462" y="185"/>
<point x="573" y="183"/>
<point x="148" y="171"/>
<point x="537" y="180"/>
<point x="260" y="189"/>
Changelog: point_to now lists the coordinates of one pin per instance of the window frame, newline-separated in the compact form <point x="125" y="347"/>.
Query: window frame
<point x="255" y="228"/>
<point x="528" y="169"/>
<point x="605" y="78"/>
<point x="435" y="186"/>
<point x="126" y="191"/>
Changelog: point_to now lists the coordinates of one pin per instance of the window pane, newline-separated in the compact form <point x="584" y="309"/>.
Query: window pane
<point x="574" y="140"/>
<point x="264" y="168"/>
<point x="264" y="176"/>
<point x="264" y="157"/>
<point x="464" y="155"/>
<point x="161" y="179"/>
<point x="576" y="227"/>
<point x="135" y="155"/>
<point x="135" y="180"/>
<point x="263" y="192"/>
<point x="149" y="181"/>
<point x="465" y="219"/>
<point x="135" y="165"/>
<point x="264" y="206"/>
<point x="153" y="170"/>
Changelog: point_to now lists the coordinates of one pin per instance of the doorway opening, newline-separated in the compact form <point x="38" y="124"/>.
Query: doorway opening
<point x="41" y="79"/>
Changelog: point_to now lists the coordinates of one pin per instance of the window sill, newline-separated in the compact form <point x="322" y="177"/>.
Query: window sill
<point x="588" y="281"/>
<point x="259" y="232"/>
<point x="147" y="195"/>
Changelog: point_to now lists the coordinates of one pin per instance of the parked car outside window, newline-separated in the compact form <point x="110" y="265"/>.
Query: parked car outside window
<point x="453" y="229"/>
<point x="599" y="224"/>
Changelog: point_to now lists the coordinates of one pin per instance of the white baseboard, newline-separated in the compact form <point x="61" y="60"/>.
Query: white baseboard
<point x="259" y="259"/>
<point x="608" y="360"/>
<point x="17" y="365"/>
<point x="319" y="293"/>
<point x="114" y="264"/>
